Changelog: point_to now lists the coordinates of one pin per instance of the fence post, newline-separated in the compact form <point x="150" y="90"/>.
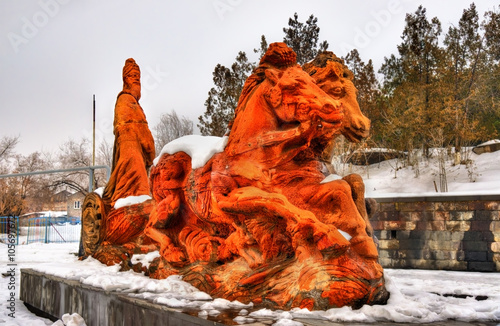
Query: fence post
<point x="47" y="219"/>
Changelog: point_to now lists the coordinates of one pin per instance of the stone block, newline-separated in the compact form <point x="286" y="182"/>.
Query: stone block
<point x="416" y="206"/>
<point x="461" y="206"/>
<point x="450" y="265"/>
<point x="441" y="235"/>
<point x="385" y="235"/>
<point x="455" y="226"/>
<point x="414" y="254"/>
<point x="458" y="255"/>
<point x="419" y="234"/>
<point x="377" y="225"/>
<point x="496" y="236"/>
<point x="399" y="225"/>
<point x="461" y="215"/>
<point x="477" y="266"/>
<point x="475" y="245"/>
<point x="495" y="227"/>
<point x="387" y="207"/>
<point x="444" y="206"/>
<point x="388" y="244"/>
<point x="495" y="247"/>
<point x="476" y="256"/>
<point x="402" y="235"/>
<point x="431" y="225"/>
<point x="473" y="236"/>
<point x="411" y="244"/>
<point x="492" y="205"/>
<point x="388" y="216"/>
<point x="441" y="216"/>
<point x="443" y="245"/>
<point x="485" y="215"/>
<point x="386" y="262"/>
<point x="480" y="225"/>
<point x="496" y="257"/>
<point x="458" y="236"/>
<point x="405" y="216"/>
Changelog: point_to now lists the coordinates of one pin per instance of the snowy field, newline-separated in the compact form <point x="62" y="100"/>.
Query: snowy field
<point x="417" y="296"/>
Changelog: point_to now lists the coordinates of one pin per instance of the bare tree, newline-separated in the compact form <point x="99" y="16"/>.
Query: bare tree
<point x="74" y="154"/>
<point x="171" y="127"/>
<point x="7" y="145"/>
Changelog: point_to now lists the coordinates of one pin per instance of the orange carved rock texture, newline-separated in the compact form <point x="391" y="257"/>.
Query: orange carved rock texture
<point x="256" y="223"/>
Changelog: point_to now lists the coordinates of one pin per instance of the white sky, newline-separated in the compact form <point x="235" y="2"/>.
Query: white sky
<point x="56" y="54"/>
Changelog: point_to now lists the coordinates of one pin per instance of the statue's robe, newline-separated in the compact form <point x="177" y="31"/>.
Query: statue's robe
<point x="133" y="151"/>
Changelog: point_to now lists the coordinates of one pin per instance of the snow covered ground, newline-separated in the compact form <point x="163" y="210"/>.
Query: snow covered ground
<point x="392" y="179"/>
<point x="417" y="296"/>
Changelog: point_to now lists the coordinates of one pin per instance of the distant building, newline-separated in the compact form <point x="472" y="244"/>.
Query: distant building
<point x="74" y="204"/>
<point x="57" y="202"/>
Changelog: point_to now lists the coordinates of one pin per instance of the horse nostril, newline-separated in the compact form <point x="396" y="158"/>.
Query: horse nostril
<point x="327" y="108"/>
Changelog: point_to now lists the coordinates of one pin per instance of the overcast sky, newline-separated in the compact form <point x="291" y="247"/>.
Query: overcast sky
<point x="55" y="54"/>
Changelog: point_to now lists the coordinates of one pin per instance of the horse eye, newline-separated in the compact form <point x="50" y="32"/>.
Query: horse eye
<point x="337" y="91"/>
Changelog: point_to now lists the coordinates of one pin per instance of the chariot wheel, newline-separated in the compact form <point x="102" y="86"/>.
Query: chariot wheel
<point x="92" y="224"/>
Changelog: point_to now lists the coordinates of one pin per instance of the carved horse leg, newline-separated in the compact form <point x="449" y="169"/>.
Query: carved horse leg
<point x="160" y="218"/>
<point x="340" y="203"/>
<point x="358" y="195"/>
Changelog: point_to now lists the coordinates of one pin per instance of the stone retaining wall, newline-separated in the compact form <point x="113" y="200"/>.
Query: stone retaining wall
<point x="449" y="233"/>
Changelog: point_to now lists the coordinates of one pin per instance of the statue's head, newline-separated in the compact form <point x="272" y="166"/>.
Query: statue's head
<point x="132" y="78"/>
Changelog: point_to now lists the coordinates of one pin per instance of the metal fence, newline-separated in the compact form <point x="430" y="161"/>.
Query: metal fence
<point x="9" y="225"/>
<point x="53" y="229"/>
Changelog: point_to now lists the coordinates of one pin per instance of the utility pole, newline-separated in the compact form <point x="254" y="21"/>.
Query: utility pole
<point x="93" y="144"/>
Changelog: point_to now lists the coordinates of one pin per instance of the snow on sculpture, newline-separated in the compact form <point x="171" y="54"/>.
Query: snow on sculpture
<point x="253" y="221"/>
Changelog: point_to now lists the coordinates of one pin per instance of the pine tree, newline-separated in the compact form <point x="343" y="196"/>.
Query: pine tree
<point x="463" y="58"/>
<point x="368" y="87"/>
<point x="410" y="83"/>
<point x="223" y="98"/>
<point x="303" y="38"/>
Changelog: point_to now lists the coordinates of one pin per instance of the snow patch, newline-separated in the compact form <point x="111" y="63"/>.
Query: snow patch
<point x="131" y="200"/>
<point x="199" y="148"/>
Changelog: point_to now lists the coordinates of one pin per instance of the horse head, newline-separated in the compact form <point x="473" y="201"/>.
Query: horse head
<point x="280" y="97"/>
<point x="335" y="79"/>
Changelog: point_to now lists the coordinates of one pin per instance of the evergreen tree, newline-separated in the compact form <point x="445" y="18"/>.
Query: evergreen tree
<point x="463" y="49"/>
<point x="490" y="79"/>
<point x="263" y="47"/>
<point x="223" y="98"/>
<point x="368" y="87"/>
<point x="411" y="83"/>
<point x="303" y="38"/>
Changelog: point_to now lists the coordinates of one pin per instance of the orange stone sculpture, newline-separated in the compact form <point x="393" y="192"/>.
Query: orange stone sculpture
<point x="107" y="225"/>
<point x="257" y="222"/>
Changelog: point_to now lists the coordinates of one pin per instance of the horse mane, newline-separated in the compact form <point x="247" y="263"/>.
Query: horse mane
<point x="277" y="56"/>
<point x="321" y="61"/>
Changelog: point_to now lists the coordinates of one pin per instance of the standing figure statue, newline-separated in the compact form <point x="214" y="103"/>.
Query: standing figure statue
<point x="114" y="221"/>
<point x="134" y="149"/>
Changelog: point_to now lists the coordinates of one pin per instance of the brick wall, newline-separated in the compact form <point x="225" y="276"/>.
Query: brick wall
<point x="450" y="233"/>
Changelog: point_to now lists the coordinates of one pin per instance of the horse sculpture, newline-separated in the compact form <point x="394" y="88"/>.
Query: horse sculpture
<point x="256" y="223"/>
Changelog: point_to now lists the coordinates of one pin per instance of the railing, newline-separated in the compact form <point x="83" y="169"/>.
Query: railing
<point x="53" y="229"/>
<point x="90" y="168"/>
<point x="9" y="229"/>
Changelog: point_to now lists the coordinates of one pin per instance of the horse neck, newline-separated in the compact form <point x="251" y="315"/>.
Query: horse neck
<point x="252" y="120"/>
